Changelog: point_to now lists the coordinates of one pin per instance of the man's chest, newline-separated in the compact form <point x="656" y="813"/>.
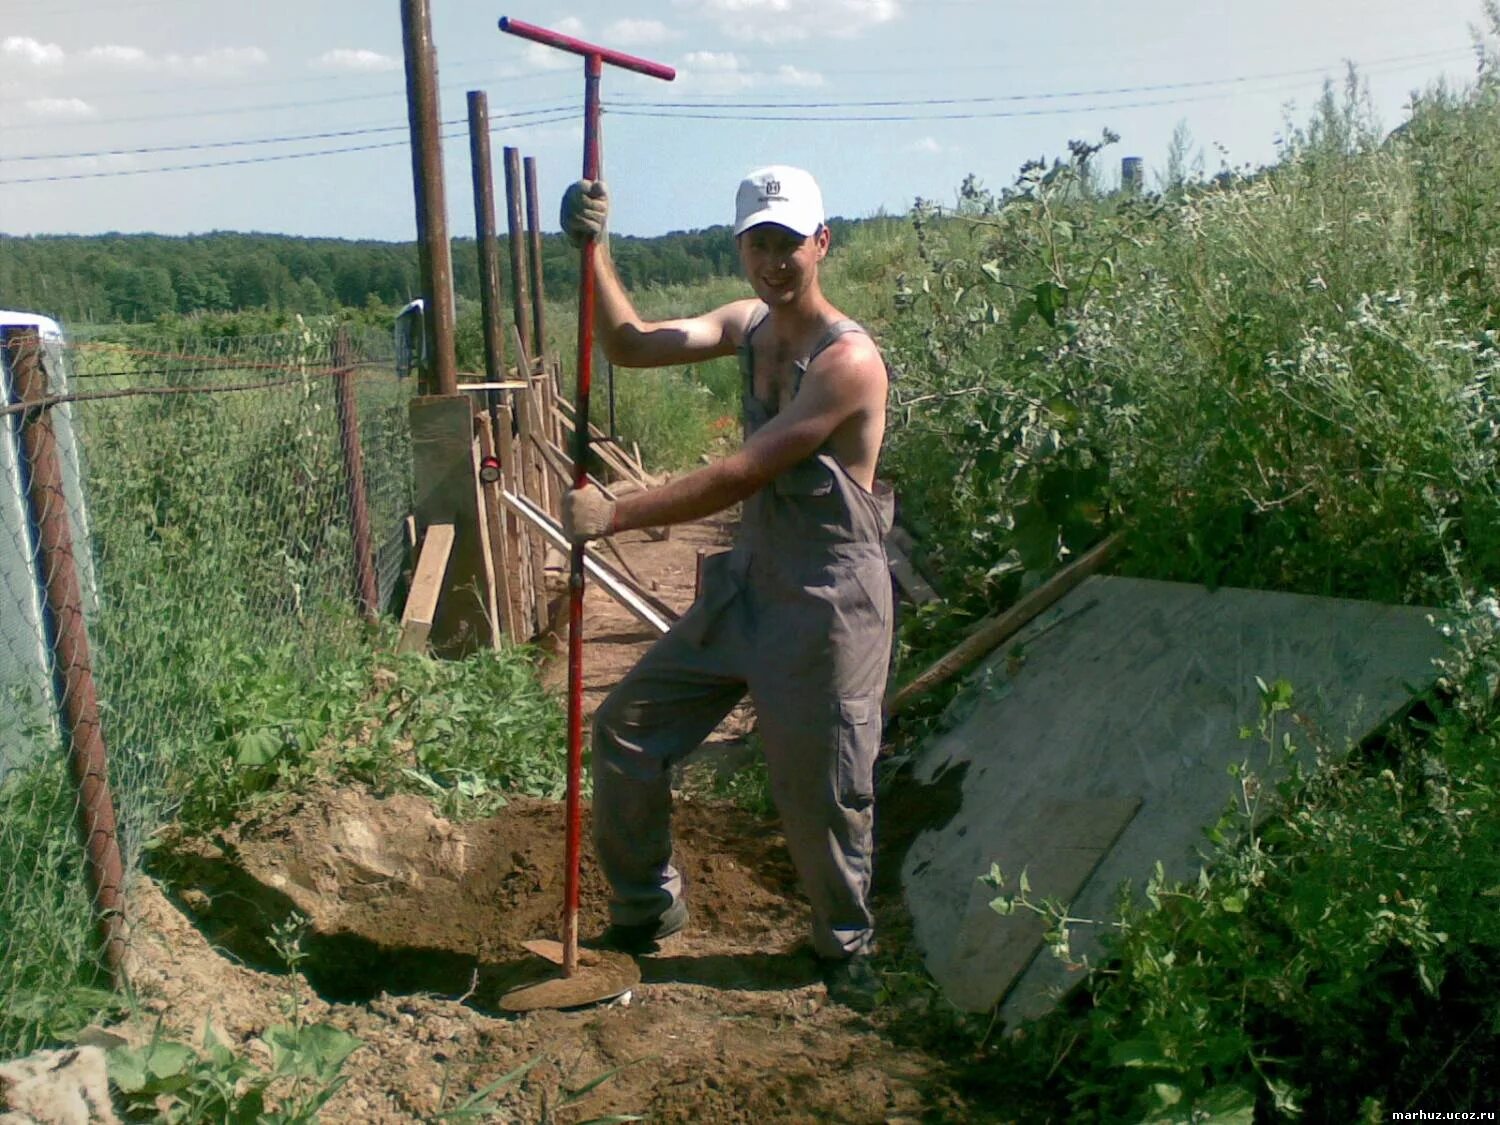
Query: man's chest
<point x="775" y="373"/>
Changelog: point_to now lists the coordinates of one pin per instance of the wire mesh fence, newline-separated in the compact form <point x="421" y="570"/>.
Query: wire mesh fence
<point x="174" y="516"/>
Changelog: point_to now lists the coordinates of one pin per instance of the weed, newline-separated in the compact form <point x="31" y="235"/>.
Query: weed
<point x="171" y="1081"/>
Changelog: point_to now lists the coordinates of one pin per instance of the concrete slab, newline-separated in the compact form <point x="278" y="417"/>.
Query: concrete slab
<point x="1098" y="742"/>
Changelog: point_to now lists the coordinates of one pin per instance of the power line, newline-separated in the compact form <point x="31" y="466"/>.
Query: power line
<point x="311" y="79"/>
<point x="261" y="107"/>
<point x="200" y="145"/>
<point x="1107" y="91"/>
<point x="702" y="112"/>
<point x="673" y="110"/>
<point x="260" y="159"/>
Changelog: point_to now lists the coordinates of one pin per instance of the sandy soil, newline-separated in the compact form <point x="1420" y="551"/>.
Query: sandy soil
<point x="417" y="925"/>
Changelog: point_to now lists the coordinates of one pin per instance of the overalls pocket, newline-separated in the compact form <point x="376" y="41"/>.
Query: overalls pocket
<point x="859" y="743"/>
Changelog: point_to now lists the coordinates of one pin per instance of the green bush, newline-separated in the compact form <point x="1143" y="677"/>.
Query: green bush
<point x="1280" y="378"/>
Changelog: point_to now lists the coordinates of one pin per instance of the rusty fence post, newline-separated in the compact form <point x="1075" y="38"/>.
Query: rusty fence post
<point x="354" y="475"/>
<point x="72" y="664"/>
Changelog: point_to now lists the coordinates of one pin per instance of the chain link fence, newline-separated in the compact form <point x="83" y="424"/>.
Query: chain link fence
<point x="174" y="515"/>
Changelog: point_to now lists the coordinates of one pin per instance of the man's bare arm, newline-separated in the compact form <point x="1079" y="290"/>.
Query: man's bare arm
<point x="832" y="394"/>
<point x="632" y="342"/>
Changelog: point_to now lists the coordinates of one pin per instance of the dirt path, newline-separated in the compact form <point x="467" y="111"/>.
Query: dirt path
<point x="417" y="931"/>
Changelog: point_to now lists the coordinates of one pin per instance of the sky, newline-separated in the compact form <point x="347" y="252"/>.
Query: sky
<point x="102" y="102"/>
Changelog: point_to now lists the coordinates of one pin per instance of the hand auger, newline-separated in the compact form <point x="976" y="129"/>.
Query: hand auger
<point x="594" y="60"/>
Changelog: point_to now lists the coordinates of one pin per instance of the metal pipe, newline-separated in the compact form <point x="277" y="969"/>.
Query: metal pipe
<point x="72" y="663"/>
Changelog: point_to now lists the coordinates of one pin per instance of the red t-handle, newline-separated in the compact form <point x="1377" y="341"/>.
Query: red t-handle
<point x="579" y="47"/>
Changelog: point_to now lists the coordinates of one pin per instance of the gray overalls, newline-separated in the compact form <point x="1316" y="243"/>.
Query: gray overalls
<point x="797" y="613"/>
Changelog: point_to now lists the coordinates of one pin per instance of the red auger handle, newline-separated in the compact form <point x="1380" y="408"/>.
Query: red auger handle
<point x="579" y="47"/>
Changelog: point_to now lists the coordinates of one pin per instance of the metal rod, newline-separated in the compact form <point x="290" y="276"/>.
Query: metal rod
<point x="435" y="254"/>
<point x="593" y="68"/>
<point x="72" y="663"/>
<point x="354" y="474"/>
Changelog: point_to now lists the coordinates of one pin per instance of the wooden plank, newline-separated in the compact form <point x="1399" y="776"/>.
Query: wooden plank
<point x="561" y="463"/>
<point x="494" y="521"/>
<point x="611" y="456"/>
<point x="993" y="631"/>
<point x="426" y="588"/>
<point x="637" y="601"/>
<point x="898" y="545"/>
<point x="508" y="385"/>
<point x="518" y="535"/>
<point x="528" y="476"/>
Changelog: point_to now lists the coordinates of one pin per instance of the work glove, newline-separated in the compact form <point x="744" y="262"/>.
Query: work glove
<point x="585" y="207"/>
<point x="587" y="514"/>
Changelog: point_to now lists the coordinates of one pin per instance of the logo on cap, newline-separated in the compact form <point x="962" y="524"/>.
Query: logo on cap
<point x="773" y="189"/>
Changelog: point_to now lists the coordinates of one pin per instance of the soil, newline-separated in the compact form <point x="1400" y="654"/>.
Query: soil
<point x="415" y="933"/>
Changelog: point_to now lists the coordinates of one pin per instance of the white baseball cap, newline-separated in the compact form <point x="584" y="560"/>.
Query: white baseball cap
<point x="779" y="194"/>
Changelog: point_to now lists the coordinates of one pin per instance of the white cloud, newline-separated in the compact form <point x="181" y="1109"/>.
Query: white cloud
<point x="638" y="33"/>
<point x="220" y="61"/>
<point x="114" y="54"/>
<point x="793" y="76"/>
<point x="32" y="51"/>
<point x="541" y="57"/>
<point x="711" y="62"/>
<point x="60" y="107"/>
<point x="356" y="59"/>
<point x="926" y="144"/>
<point x="722" y="72"/>
<point x="780" y="21"/>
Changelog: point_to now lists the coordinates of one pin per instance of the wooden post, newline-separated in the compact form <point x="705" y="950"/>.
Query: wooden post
<point x="71" y="660"/>
<point x="434" y="251"/>
<point x="534" y="244"/>
<point x="354" y="476"/>
<point x="520" y="294"/>
<point x="489" y="252"/>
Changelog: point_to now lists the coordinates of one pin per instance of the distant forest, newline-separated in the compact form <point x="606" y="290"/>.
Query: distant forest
<point x="141" y="277"/>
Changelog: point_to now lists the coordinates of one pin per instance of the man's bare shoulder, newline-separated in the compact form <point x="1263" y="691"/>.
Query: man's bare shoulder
<point x="853" y="362"/>
<point x="736" y="317"/>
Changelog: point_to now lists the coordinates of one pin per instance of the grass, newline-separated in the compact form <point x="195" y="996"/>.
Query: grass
<point x="230" y="664"/>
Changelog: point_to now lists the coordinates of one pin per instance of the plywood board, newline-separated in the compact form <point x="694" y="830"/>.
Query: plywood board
<point x="1129" y="690"/>
<point x="446" y="490"/>
<point x="1057" y="851"/>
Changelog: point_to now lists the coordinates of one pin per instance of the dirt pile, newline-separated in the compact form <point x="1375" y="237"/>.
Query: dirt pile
<point x="730" y="1024"/>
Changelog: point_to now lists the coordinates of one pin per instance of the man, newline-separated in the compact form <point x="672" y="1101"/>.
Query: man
<point x="797" y="613"/>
